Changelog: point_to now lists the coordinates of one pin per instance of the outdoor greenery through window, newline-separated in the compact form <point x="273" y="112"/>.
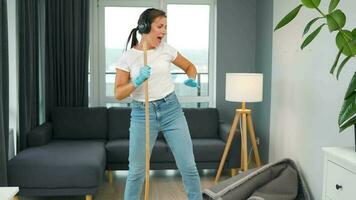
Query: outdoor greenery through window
<point x="189" y="33"/>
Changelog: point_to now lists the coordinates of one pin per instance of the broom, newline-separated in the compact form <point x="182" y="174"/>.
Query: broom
<point x="147" y="182"/>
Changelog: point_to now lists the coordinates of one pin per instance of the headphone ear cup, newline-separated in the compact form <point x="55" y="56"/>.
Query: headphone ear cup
<point x="141" y="27"/>
<point x="148" y="27"/>
<point x="144" y="28"/>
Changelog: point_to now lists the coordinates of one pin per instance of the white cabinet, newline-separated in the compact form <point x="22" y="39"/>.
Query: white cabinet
<point x="339" y="173"/>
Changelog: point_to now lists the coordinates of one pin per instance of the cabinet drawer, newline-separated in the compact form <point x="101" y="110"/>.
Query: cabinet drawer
<point x="340" y="182"/>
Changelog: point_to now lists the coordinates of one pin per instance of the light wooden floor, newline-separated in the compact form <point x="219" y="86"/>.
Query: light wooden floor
<point x="164" y="185"/>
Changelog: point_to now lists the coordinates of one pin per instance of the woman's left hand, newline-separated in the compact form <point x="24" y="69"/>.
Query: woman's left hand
<point x="191" y="83"/>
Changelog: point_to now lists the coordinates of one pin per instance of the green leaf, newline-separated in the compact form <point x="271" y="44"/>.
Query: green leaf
<point x="354" y="36"/>
<point x="311" y="36"/>
<point x="347" y="116"/>
<point x="333" y="4"/>
<point x="335" y="62"/>
<point x="354" y="33"/>
<point x="344" y="40"/>
<point x="288" y="18"/>
<point x="311" y="3"/>
<point x="307" y="27"/>
<point x="342" y="66"/>
<point x="347" y="124"/>
<point x="336" y="20"/>
<point x="352" y="87"/>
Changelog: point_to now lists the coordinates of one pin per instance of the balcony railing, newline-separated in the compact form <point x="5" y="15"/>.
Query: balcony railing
<point x="203" y="102"/>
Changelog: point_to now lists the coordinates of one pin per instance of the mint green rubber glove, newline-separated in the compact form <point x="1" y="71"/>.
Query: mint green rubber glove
<point x="145" y="73"/>
<point x="191" y="83"/>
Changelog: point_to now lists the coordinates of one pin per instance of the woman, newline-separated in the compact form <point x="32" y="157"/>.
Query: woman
<point x="165" y="111"/>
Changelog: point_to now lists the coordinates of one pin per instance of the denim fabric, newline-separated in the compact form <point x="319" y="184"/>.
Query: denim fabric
<point x="166" y="115"/>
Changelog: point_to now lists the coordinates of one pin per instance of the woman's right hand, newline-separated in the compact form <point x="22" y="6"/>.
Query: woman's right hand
<point x="145" y="73"/>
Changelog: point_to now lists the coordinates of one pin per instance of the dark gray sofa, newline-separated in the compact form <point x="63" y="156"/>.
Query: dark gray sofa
<point x="69" y="154"/>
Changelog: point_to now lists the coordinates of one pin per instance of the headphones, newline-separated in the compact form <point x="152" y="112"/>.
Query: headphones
<point x="144" y="27"/>
<point x="144" y="24"/>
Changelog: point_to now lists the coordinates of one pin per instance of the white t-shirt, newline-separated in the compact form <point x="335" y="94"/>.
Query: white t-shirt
<point x="160" y="83"/>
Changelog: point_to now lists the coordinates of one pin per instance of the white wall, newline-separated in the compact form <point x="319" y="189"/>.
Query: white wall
<point x="306" y="98"/>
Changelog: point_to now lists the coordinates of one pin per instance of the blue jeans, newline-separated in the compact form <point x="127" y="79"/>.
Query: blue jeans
<point x="166" y="115"/>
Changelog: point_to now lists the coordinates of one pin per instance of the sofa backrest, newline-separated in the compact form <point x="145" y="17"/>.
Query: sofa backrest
<point x="119" y="122"/>
<point x="202" y="122"/>
<point x="79" y="123"/>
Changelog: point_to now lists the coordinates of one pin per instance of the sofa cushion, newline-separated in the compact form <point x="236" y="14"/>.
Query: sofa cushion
<point x="118" y="151"/>
<point x="278" y="180"/>
<point x="59" y="164"/>
<point x="119" y="122"/>
<point x="208" y="150"/>
<point x="203" y="123"/>
<point x="79" y="123"/>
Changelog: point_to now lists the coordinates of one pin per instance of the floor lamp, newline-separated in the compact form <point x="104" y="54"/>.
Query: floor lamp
<point x="242" y="87"/>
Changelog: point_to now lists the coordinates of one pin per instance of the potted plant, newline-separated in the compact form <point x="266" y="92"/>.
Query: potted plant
<point x="345" y="39"/>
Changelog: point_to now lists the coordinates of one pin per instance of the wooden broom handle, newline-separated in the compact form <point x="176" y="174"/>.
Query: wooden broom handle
<point x="147" y="113"/>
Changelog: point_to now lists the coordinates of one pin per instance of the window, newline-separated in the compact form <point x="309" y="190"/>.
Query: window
<point x="118" y="23"/>
<point x="191" y="33"/>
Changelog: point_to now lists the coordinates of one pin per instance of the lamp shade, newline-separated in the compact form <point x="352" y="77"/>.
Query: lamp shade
<point x="244" y="87"/>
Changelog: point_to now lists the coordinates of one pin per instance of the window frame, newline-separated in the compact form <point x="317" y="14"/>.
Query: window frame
<point x="97" y="84"/>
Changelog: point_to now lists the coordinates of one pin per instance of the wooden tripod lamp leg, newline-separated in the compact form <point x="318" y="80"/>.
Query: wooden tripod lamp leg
<point x="227" y="146"/>
<point x="241" y="154"/>
<point x="253" y="140"/>
<point x="244" y="143"/>
<point x="147" y="113"/>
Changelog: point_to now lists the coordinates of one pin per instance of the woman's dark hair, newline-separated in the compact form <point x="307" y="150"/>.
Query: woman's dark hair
<point x="144" y="24"/>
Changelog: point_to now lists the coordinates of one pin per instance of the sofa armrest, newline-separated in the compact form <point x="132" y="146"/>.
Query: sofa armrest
<point x="234" y="157"/>
<point x="40" y="135"/>
<point x="224" y="130"/>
